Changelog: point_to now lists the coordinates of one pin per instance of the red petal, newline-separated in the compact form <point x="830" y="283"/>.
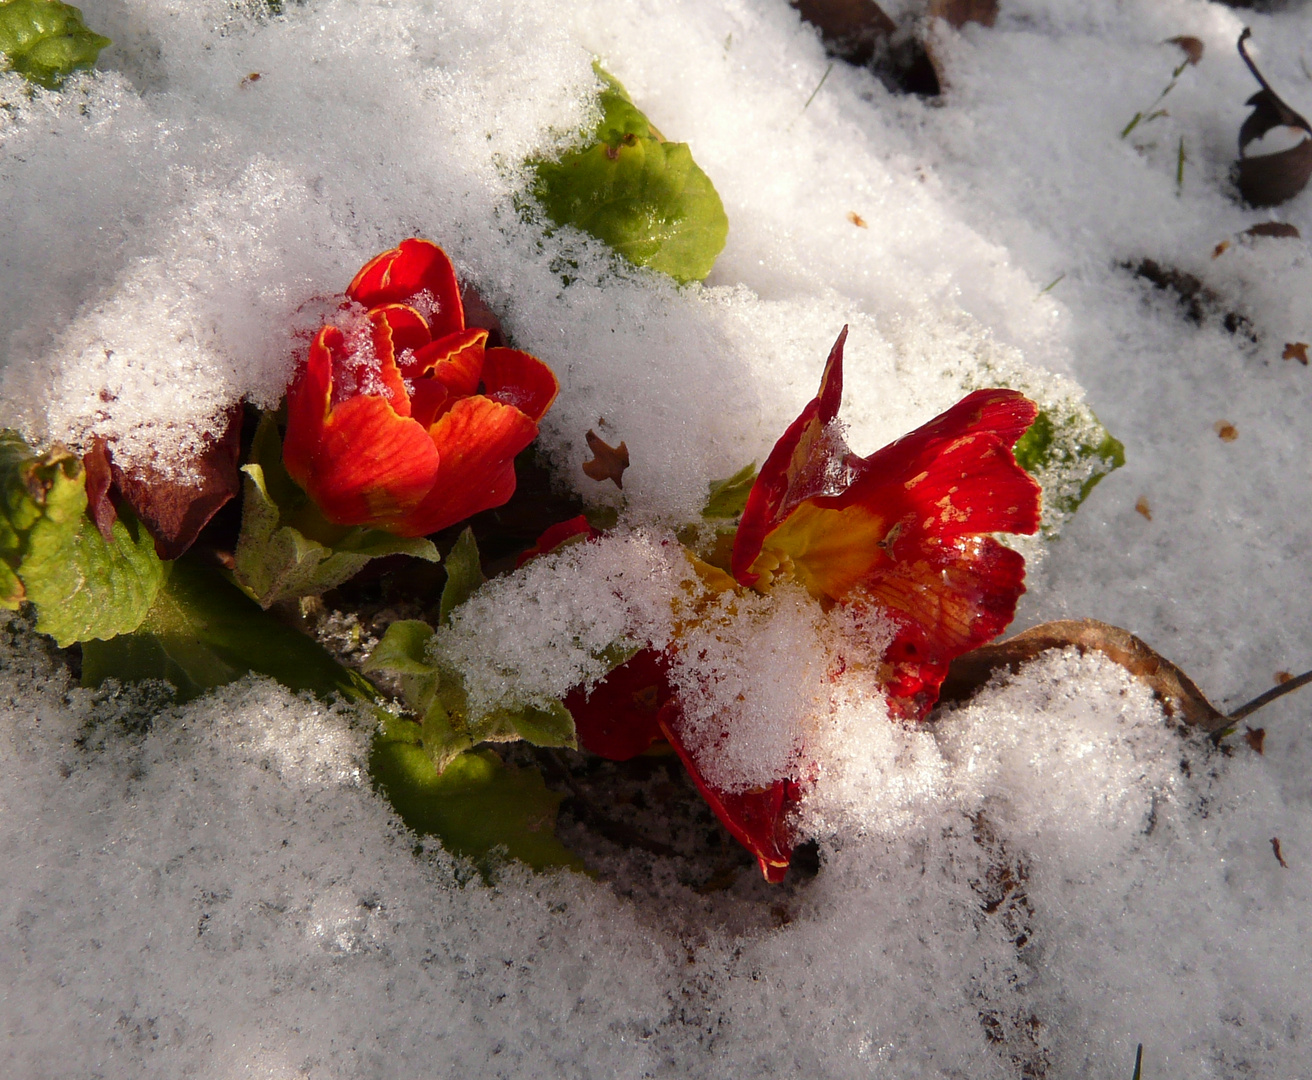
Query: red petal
<point x="409" y="328"/>
<point x="806" y="461"/>
<point x="948" y="603"/>
<point x="456" y="361"/>
<point x="758" y="819"/>
<point x="308" y="399"/>
<point x="429" y="400"/>
<point x="476" y="442"/>
<point x="399" y="275"/>
<point x="519" y="379"/>
<point x="559" y="534"/>
<point x="388" y="321"/>
<point x="368" y="466"/>
<point x="618" y="717"/>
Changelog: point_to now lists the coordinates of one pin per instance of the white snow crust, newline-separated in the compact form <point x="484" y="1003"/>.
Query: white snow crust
<point x="1026" y="888"/>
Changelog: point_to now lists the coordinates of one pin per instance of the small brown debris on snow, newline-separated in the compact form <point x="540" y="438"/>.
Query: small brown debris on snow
<point x="1220" y="249"/>
<point x="608" y="462"/>
<point x="857" y="220"/>
<point x="1279" y="229"/>
<point x="1142" y="507"/>
<point x="1190" y="46"/>
<point x="1295" y="351"/>
<point x="1283" y="677"/>
<point x="1226" y="430"/>
<point x="1255" y="737"/>
<point x="1275" y="846"/>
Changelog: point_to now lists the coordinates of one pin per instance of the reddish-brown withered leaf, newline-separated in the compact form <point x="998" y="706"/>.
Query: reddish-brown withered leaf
<point x="852" y="29"/>
<point x="959" y="12"/>
<point x="1171" y="686"/>
<point x="100" y="478"/>
<point x="1269" y="179"/>
<point x="1192" y="48"/>
<point x="175" y="510"/>
<point x="1279" y="229"/>
<point x="608" y="462"/>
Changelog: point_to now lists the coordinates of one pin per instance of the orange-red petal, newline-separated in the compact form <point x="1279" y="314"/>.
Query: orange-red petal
<point x="456" y="361"/>
<point x="409" y="329"/>
<point x="476" y="442"/>
<point x="618" y="717"/>
<point x="758" y="819"/>
<point x="401" y="274"/>
<point x="576" y="528"/>
<point x="519" y="379"/>
<point x="307" y="405"/>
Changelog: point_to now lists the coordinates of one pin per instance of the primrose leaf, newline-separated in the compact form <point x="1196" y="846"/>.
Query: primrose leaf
<point x="403" y="649"/>
<point x="475" y="806"/>
<point x="643" y="196"/>
<point x="1067" y="451"/>
<point x="46" y="41"/>
<point x="202" y="632"/>
<point x="727" y="498"/>
<point x="286" y="549"/>
<point x="464" y="575"/>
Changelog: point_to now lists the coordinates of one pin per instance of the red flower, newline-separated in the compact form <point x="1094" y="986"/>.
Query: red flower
<point x="402" y="419"/>
<point x="904" y="532"/>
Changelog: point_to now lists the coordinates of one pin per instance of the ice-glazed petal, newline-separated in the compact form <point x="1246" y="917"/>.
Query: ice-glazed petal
<point x="519" y="379"/>
<point x="947" y="602"/>
<point x="476" y="440"/>
<point x="368" y="465"/>
<point x="379" y="374"/>
<point x="758" y="819"/>
<point x="307" y="405"/>
<point x="810" y="459"/>
<point x="618" y="717"/>
<point x="456" y="361"/>
<point x="404" y="275"/>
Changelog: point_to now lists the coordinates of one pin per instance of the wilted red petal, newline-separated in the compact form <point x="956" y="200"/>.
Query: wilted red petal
<point x="576" y="528"/>
<point x="456" y="361"/>
<point x="951" y="600"/>
<point x="368" y="466"/>
<point x="99" y="478"/>
<point x="808" y="460"/>
<point x="758" y="819"/>
<point x="618" y="717"/>
<point x="476" y="441"/>
<point x="175" y="510"/>
<point x="398" y="276"/>
<point x="519" y="379"/>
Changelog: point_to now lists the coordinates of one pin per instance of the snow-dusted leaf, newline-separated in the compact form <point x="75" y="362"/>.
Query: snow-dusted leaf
<point x="475" y="806"/>
<point x="403" y="649"/>
<point x="286" y="549"/>
<point x="643" y="196"/>
<point x="726" y="498"/>
<point x="1068" y="453"/>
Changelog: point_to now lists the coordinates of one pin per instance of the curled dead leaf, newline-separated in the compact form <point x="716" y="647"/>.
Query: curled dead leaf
<point x="100" y="478"/>
<point x="608" y="462"/>
<point x="1270" y="179"/>
<point x="1275" y="847"/>
<point x="1255" y="737"/>
<point x="1190" y="46"/>
<point x="1277" y="229"/>
<point x="1296" y="350"/>
<point x="1179" y="697"/>
<point x="1142" y="507"/>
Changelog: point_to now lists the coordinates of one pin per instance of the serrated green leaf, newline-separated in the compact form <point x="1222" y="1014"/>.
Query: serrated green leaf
<point x="286" y="549"/>
<point x="203" y="632"/>
<point x="46" y="41"/>
<point x="643" y="196"/>
<point x="403" y="649"/>
<point x="92" y="589"/>
<point x="1068" y="453"/>
<point x="464" y="574"/>
<point x="476" y="807"/>
<point x="549" y="726"/>
<point x="728" y="498"/>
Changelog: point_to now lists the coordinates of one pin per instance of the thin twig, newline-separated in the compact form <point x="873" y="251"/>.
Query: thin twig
<point x="1270" y="696"/>
<point x="1252" y="66"/>
<point x="818" y="85"/>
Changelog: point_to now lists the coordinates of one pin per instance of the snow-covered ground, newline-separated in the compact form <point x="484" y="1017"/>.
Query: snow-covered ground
<point x="1029" y="886"/>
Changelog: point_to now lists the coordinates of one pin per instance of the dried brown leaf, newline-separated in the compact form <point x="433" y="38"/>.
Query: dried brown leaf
<point x="1190" y="46"/>
<point x="100" y="479"/>
<point x="1142" y="507"/>
<point x="1171" y="686"/>
<point x="1270" y="179"/>
<point x="852" y="29"/>
<point x="1255" y="737"/>
<point x="1275" y="847"/>
<point x="1295" y="351"/>
<point x="1277" y="229"/>
<point x="959" y="12"/>
<point x="608" y="462"/>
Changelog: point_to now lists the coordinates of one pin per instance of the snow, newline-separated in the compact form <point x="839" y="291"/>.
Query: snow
<point x="1026" y="888"/>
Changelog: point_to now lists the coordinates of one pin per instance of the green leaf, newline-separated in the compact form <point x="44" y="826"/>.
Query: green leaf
<point x="464" y="574"/>
<point x="728" y="498"/>
<point x="477" y="806"/>
<point x="643" y="196"/>
<point x="403" y="649"/>
<point x="1068" y="451"/>
<point x="92" y="589"/>
<point x="51" y="554"/>
<point x="287" y="549"/>
<point x="45" y="40"/>
<point x="202" y="632"/>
